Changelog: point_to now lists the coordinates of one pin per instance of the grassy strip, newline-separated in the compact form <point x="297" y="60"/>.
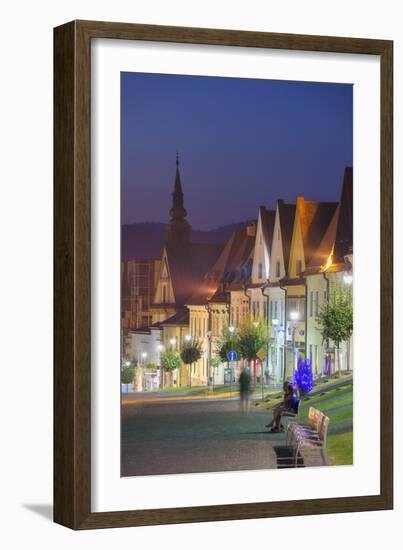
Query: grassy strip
<point x="183" y="390"/>
<point x="340" y="448"/>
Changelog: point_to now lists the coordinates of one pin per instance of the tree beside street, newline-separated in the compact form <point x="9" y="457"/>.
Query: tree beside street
<point x="252" y="338"/>
<point x="126" y="375"/>
<point x="191" y="353"/>
<point x="335" y="319"/>
<point x="228" y="342"/>
<point x="170" y="361"/>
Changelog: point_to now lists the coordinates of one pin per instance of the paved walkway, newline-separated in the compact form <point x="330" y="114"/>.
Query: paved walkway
<point x="161" y="436"/>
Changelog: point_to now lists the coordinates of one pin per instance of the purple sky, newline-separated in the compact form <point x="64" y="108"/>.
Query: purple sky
<point x="242" y="143"/>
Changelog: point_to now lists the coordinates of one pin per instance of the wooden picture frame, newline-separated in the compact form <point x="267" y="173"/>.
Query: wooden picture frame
<point x="72" y="269"/>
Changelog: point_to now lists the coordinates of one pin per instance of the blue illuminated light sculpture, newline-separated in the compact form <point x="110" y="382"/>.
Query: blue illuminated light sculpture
<point x="303" y="377"/>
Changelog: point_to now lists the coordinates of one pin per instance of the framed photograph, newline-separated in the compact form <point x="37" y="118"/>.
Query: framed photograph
<point x="223" y="275"/>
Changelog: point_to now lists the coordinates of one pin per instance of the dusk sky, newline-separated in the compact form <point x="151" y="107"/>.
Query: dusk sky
<point x="242" y="143"/>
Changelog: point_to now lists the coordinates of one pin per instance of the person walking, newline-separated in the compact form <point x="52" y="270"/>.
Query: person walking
<point x="244" y="390"/>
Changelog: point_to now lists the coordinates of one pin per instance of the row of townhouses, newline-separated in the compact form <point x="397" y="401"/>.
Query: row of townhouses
<point x="280" y="268"/>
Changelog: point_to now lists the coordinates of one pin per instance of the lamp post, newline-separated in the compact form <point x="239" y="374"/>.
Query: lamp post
<point x="188" y="338"/>
<point x="231" y="329"/>
<point x="348" y="280"/>
<point x="160" y="349"/>
<point x="274" y="323"/>
<point x="210" y="373"/>
<point x="256" y="324"/>
<point x="294" y="318"/>
<point x="142" y="363"/>
<point x="172" y="344"/>
<point x="268" y="326"/>
<point x="210" y="370"/>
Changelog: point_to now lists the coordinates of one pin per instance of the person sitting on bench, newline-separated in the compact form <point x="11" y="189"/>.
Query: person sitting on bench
<point x="289" y="403"/>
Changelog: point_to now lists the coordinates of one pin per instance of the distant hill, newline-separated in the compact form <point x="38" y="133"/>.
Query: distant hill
<point x="145" y="240"/>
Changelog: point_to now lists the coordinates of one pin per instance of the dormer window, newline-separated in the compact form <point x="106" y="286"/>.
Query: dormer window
<point x="299" y="267"/>
<point x="260" y="271"/>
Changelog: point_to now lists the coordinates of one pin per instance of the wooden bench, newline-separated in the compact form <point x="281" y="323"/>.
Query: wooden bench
<point x="310" y="439"/>
<point x="312" y="425"/>
<point x="290" y="417"/>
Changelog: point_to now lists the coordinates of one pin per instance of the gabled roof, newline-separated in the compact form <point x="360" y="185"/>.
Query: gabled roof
<point x="287" y="215"/>
<point x="344" y="236"/>
<point x="337" y="241"/>
<point x="239" y="270"/>
<point x="146" y="329"/>
<point x="181" y="318"/>
<point x="268" y="217"/>
<point x="315" y="218"/>
<point x="231" y="270"/>
<point x="188" y="265"/>
<point x="325" y="248"/>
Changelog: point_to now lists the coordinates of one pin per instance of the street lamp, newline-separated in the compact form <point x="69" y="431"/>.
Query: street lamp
<point x="188" y="337"/>
<point x="172" y="342"/>
<point x="127" y="363"/>
<point x="294" y="315"/>
<point x="231" y="328"/>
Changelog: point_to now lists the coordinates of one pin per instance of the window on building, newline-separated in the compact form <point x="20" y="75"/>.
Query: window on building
<point x="164" y="294"/>
<point x="257" y="309"/>
<point x="311" y="304"/>
<point x="260" y="271"/>
<point x="316" y="303"/>
<point x="277" y="269"/>
<point x="265" y="309"/>
<point x="275" y="310"/>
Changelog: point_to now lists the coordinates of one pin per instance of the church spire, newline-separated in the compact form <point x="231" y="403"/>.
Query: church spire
<point x="177" y="211"/>
<point x="178" y="229"/>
